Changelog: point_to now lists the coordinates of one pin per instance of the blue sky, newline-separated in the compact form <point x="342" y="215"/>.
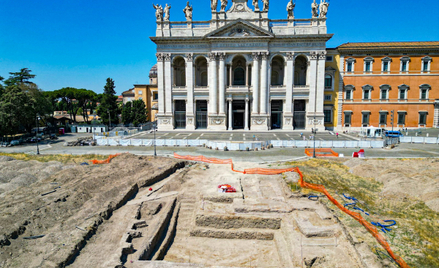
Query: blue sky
<point x="79" y="43"/>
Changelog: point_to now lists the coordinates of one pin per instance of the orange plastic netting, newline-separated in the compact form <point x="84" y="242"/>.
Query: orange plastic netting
<point x="326" y="152"/>
<point x="316" y="187"/>
<point x="106" y="161"/>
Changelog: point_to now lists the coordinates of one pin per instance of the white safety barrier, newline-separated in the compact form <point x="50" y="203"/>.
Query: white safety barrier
<point x="136" y="142"/>
<point x="102" y="142"/>
<point x="351" y="144"/>
<point x="377" y="144"/>
<point x="338" y="144"/>
<point x="364" y="144"/>
<point x="148" y="142"/>
<point x="405" y="139"/>
<point x="125" y="142"/>
<point x="113" y="142"/>
<point x="430" y="140"/>
<point x="417" y="139"/>
<point x="326" y="144"/>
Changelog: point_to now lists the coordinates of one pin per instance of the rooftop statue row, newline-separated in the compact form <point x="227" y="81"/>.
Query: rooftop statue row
<point x="163" y="14"/>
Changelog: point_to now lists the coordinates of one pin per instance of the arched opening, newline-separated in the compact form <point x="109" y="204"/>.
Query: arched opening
<point x="239" y="71"/>
<point x="201" y="72"/>
<point x="300" y="71"/>
<point x="179" y="72"/>
<point x="277" y="71"/>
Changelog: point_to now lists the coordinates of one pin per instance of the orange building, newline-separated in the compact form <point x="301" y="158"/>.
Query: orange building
<point x="149" y="94"/>
<point x="381" y="78"/>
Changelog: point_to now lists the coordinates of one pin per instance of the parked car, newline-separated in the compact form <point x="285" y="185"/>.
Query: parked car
<point x="34" y="139"/>
<point x="15" y="142"/>
<point x="5" y="144"/>
<point x="53" y="137"/>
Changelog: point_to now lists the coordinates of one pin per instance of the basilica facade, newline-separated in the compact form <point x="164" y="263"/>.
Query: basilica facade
<point x="241" y="70"/>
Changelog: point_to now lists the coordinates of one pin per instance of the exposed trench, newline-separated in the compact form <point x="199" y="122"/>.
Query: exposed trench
<point x="106" y="215"/>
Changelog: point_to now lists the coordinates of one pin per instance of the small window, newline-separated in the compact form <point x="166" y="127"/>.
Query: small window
<point x="425" y="66"/>
<point x="401" y="118"/>
<point x="328" y="97"/>
<point x="328" y="81"/>
<point x="350" y="65"/>
<point x="383" y="118"/>
<point x="140" y="98"/>
<point x="424" y="89"/>
<point x="156" y="96"/>
<point x="422" y="118"/>
<point x="329" y="58"/>
<point x="140" y="92"/>
<point x="366" y="94"/>
<point x="386" y="64"/>
<point x="384" y="92"/>
<point x="367" y="66"/>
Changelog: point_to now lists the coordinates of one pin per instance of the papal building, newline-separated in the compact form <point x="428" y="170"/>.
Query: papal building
<point x="241" y="70"/>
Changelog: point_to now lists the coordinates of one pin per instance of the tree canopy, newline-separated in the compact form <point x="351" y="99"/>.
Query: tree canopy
<point x="108" y="104"/>
<point x="134" y="113"/>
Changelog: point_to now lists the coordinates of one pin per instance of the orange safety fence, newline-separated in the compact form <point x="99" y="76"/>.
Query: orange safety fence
<point x="327" y="152"/>
<point x="106" y="161"/>
<point x="316" y="187"/>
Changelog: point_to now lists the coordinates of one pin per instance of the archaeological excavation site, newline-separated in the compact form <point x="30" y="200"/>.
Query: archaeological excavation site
<point x="137" y="211"/>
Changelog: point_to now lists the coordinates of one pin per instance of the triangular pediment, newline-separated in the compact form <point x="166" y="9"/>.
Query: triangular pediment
<point x="239" y="29"/>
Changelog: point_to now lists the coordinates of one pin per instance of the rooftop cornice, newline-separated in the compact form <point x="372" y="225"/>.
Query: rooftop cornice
<point x="283" y="38"/>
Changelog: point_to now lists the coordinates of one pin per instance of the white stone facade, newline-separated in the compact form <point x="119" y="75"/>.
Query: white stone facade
<point x="241" y="70"/>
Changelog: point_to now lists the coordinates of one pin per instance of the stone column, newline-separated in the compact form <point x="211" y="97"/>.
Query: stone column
<point x="230" y="114"/>
<point x="230" y="75"/>
<point x="246" y="113"/>
<point x="312" y="85"/>
<point x="264" y="82"/>
<point x="246" y="75"/>
<point x="160" y="84"/>
<point x="316" y="91"/>
<point x="340" y="95"/>
<point x="222" y="85"/>
<point x="288" y="104"/>
<point x="321" y="85"/>
<point x="213" y="85"/>
<point x="190" y="118"/>
<point x="168" y="85"/>
<point x="255" y="83"/>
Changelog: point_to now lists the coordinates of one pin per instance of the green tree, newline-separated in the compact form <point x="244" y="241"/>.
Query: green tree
<point x="67" y="96"/>
<point x="127" y="113"/>
<point x="86" y="101"/>
<point x="108" y="104"/>
<point x="21" y="77"/>
<point x="139" y="112"/>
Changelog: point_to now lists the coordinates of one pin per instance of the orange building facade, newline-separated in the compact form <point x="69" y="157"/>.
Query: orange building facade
<point x="381" y="79"/>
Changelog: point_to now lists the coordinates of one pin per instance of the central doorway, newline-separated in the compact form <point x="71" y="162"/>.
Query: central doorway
<point x="201" y="115"/>
<point x="299" y="114"/>
<point x="276" y="114"/>
<point x="180" y="114"/>
<point x="238" y="108"/>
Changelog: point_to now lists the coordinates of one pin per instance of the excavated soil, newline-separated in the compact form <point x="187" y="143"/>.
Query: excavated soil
<point x="50" y="210"/>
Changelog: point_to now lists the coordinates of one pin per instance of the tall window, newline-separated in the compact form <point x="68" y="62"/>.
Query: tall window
<point x="300" y="71"/>
<point x="349" y="89"/>
<point x="386" y="64"/>
<point x="368" y="61"/>
<point x="424" y="89"/>
<point x="349" y="94"/>
<point x="347" y="118"/>
<point x="367" y="89"/>
<point x="328" y="81"/>
<point x="403" y="91"/>
<point x="277" y="71"/>
<point x="405" y="64"/>
<point x="383" y="118"/>
<point x="328" y="116"/>
<point x="179" y="76"/>
<point x="350" y="65"/>
<point x="422" y="118"/>
<point x="365" y="118"/>
<point x="401" y="118"/>
<point x="384" y="92"/>
<point x="201" y="72"/>
<point x="426" y="61"/>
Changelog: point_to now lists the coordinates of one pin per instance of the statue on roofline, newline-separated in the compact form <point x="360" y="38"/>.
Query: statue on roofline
<point x="213" y="5"/>
<point x="314" y="9"/>
<point x="266" y="4"/>
<point x="223" y="5"/>
<point x="256" y="4"/>
<point x="158" y="12"/>
<point x="290" y="9"/>
<point x="188" y="12"/>
<point x="167" y="12"/>
<point x="323" y="8"/>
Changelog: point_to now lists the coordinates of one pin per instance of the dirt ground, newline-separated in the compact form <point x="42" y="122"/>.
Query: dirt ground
<point x="78" y="199"/>
<point x="139" y="212"/>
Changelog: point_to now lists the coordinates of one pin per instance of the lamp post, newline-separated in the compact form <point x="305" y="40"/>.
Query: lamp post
<point x="154" y="125"/>
<point x="36" y="133"/>
<point x="109" y="119"/>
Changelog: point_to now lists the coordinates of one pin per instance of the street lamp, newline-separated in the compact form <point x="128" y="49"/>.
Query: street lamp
<point x="109" y="119"/>
<point x="36" y="133"/>
<point x="154" y="126"/>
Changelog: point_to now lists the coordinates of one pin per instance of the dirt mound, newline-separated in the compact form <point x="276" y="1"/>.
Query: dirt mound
<point x="65" y="204"/>
<point x="418" y="178"/>
<point x="4" y="158"/>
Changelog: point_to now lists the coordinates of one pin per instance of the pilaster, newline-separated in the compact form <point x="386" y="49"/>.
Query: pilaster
<point x="190" y="117"/>
<point x="264" y="82"/>
<point x="255" y="83"/>
<point x="288" y="104"/>
<point x="164" y="121"/>
<point x="340" y="95"/>
<point x="436" y="114"/>
<point x="222" y="84"/>
<point x="168" y="84"/>
<point x="213" y="85"/>
<point x="315" y="117"/>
